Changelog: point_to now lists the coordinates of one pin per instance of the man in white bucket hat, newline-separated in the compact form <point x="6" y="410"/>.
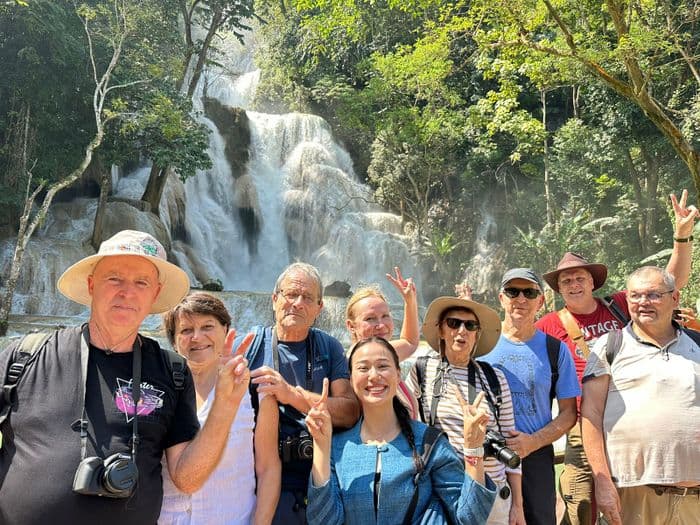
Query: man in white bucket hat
<point x="88" y="411"/>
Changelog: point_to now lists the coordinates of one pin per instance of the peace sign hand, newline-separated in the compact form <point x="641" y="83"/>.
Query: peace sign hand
<point x="318" y="420"/>
<point x="475" y="419"/>
<point x="234" y="374"/>
<point x="406" y="287"/>
<point x="684" y="215"/>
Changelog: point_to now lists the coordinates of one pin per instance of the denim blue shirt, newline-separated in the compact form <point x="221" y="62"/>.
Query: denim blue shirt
<point x="348" y="496"/>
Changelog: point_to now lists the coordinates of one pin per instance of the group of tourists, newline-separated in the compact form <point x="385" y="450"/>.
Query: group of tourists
<point x="283" y="425"/>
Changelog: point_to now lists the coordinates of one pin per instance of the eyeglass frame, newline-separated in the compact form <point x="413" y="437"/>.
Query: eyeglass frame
<point x="638" y="297"/>
<point x="474" y="323"/>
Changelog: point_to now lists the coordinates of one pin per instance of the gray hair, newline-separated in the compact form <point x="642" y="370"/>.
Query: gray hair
<point x="301" y="267"/>
<point x="668" y="279"/>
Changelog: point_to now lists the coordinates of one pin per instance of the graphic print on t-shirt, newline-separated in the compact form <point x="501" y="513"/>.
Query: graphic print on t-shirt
<point x="151" y="399"/>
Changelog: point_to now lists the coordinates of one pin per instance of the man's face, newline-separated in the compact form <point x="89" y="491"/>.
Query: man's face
<point x="520" y="309"/>
<point x="576" y="286"/>
<point x="654" y="311"/>
<point x="123" y="290"/>
<point x="297" y="303"/>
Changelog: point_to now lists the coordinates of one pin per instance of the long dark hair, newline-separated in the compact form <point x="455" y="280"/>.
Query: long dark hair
<point x="400" y="409"/>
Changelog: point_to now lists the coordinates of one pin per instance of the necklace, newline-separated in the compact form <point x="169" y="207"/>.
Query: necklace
<point x="110" y="350"/>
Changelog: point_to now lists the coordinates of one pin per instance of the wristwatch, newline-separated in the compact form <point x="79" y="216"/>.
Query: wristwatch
<point x="477" y="452"/>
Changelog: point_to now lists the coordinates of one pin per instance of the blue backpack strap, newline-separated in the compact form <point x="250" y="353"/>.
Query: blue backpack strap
<point x="553" y="347"/>
<point x="25" y="355"/>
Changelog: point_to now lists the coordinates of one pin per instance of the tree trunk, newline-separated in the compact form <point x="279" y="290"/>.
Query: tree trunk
<point x="154" y="188"/>
<point x="547" y="192"/>
<point x="105" y="191"/>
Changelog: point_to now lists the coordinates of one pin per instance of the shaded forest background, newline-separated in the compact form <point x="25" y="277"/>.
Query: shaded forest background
<point x="568" y="123"/>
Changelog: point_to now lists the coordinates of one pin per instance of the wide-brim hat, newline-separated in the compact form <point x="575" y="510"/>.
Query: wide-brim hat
<point x="572" y="261"/>
<point x="174" y="281"/>
<point x="489" y="321"/>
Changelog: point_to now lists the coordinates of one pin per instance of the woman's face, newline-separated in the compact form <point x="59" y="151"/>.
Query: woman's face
<point x="371" y="318"/>
<point x="459" y="341"/>
<point x="374" y="374"/>
<point x="200" y="339"/>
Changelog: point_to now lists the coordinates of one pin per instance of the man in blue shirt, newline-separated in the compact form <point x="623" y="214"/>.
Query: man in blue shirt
<point x="289" y="361"/>
<point x="521" y="352"/>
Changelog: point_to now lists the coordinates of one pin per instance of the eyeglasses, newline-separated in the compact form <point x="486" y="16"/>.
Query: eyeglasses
<point x="470" y="325"/>
<point x="529" y="293"/>
<point x="292" y="296"/>
<point x="652" y="297"/>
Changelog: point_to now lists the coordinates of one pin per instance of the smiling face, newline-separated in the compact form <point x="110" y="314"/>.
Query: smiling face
<point x="374" y="374"/>
<point x="459" y="342"/>
<point x="370" y="317"/>
<point x="200" y="339"/>
<point x="123" y="289"/>
<point x="576" y="288"/>
<point x="520" y="310"/>
<point x="297" y="304"/>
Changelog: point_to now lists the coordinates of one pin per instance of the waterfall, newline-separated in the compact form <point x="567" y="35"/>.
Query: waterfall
<point x="486" y="266"/>
<point x="296" y="198"/>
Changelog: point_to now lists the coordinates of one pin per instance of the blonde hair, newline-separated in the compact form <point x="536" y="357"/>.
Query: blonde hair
<point x="362" y="293"/>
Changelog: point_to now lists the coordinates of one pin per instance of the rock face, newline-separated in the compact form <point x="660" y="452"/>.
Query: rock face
<point x="337" y="289"/>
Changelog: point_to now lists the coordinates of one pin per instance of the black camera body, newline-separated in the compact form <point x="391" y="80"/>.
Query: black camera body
<point x="295" y="448"/>
<point x="495" y="446"/>
<point x="112" y="477"/>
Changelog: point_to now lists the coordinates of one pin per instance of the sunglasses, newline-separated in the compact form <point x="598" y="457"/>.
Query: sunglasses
<point x="528" y="293"/>
<point x="470" y="325"/>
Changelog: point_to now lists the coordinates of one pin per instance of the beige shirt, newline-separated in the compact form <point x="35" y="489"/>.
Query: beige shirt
<point x="651" y="424"/>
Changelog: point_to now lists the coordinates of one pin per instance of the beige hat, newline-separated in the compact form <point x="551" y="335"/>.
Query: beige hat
<point x="488" y="319"/>
<point x="175" y="283"/>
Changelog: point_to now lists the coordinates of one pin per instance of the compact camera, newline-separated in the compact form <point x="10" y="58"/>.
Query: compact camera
<point x="495" y="446"/>
<point x="294" y="448"/>
<point x="113" y="477"/>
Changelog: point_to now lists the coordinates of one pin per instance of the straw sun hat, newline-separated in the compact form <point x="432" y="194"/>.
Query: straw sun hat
<point x="488" y="320"/>
<point x="175" y="283"/>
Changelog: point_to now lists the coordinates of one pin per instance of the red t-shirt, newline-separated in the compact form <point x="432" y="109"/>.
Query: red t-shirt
<point x="592" y="325"/>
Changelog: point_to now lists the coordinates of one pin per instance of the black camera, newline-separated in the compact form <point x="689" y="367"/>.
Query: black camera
<point x="299" y="447"/>
<point x="113" y="477"/>
<point x="495" y="446"/>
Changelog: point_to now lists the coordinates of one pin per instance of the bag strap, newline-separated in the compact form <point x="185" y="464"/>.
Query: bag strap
<point x="421" y="364"/>
<point x="612" y="345"/>
<point x="553" y="347"/>
<point x="615" y="309"/>
<point x="26" y="353"/>
<point x="177" y="368"/>
<point x="574" y="331"/>
<point x="494" y="387"/>
<point x="430" y="437"/>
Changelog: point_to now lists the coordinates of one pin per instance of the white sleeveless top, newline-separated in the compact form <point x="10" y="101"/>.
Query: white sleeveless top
<point x="228" y="496"/>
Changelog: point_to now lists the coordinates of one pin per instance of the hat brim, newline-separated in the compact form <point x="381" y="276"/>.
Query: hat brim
<point x="174" y="282"/>
<point x="599" y="272"/>
<point x="489" y="321"/>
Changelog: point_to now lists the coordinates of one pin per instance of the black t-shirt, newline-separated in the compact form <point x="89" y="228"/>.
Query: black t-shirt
<point x="40" y="450"/>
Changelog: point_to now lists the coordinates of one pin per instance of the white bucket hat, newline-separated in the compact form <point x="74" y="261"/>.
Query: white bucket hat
<point x="489" y="321"/>
<point x="174" y="281"/>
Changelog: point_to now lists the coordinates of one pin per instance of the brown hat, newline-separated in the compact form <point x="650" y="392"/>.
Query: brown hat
<point x="488" y="320"/>
<point x="176" y="284"/>
<point x="571" y="261"/>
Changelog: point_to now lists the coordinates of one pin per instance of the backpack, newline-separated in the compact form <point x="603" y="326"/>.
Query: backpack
<point x="28" y="350"/>
<point x="493" y="393"/>
<point x="614" y="342"/>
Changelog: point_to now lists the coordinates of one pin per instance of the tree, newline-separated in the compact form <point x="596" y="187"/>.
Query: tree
<point x="646" y="52"/>
<point x="211" y="16"/>
<point x="118" y="22"/>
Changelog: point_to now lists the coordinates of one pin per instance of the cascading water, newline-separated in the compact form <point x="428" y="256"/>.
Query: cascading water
<point x="296" y="198"/>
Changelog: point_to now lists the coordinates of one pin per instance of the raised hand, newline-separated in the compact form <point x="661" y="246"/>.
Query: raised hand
<point x="406" y="287"/>
<point x="684" y="215"/>
<point x="234" y="374"/>
<point x="463" y="290"/>
<point x="318" y="420"/>
<point x="475" y="419"/>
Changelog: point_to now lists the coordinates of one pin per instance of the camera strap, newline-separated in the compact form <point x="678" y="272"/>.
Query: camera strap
<point x="309" y="358"/>
<point x="135" y="391"/>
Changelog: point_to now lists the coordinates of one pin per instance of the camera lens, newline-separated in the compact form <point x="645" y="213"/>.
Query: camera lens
<point x="120" y="474"/>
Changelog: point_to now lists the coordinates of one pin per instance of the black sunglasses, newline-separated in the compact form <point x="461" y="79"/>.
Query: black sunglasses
<point x="470" y="324"/>
<point x="528" y="293"/>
